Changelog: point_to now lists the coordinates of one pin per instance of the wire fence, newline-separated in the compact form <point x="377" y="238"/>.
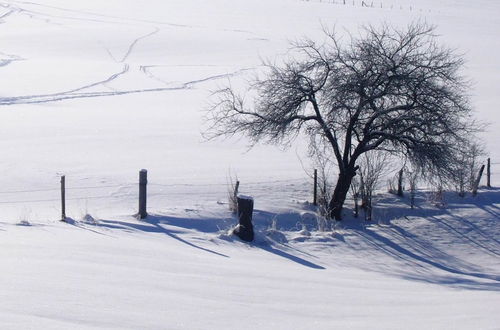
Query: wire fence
<point x="369" y="4"/>
<point x="162" y="195"/>
<point x="158" y="193"/>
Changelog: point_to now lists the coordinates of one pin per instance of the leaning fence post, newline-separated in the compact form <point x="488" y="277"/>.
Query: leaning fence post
<point x="63" y="198"/>
<point x="476" y="184"/>
<point x="315" y="197"/>
<point x="236" y="188"/>
<point x="488" y="174"/>
<point x="143" y="182"/>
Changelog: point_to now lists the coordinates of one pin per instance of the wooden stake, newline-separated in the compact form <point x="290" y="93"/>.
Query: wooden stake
<point x="476" y="184"/>
<point x="63" y="198"/>
<point x="400" y="183"/>
<point x="143" y="182"/>
<point x="315" y="197"/>
<point x="488" y="174"/>
<point x="236" y="188"/>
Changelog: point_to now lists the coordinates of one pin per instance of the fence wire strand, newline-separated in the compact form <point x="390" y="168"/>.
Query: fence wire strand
<point x="132" y="186"/>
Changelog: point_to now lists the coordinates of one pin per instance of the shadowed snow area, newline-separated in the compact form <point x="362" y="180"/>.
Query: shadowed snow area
<point x="181" y="268"/>
<point x="97" y="90"/>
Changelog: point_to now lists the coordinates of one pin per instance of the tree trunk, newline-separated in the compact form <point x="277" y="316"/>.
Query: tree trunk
<point x="340" y="194"/>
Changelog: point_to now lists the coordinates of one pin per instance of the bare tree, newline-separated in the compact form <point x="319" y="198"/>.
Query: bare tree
<point x="388" y="89"/>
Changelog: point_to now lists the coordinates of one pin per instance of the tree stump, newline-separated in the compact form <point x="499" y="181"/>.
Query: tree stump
<point x="244" y="230"/>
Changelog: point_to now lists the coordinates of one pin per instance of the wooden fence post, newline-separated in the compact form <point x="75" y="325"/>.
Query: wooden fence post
<point x="236" y="188"/>
<point x="488" y="174"/>
<point x="63" y="198"/>
<point x="143" y="182"/>
<point x="400" y="182"/>
<point x="476" y="184"/>
<point x="315" y="197"/>
<point x="245" y="210"/>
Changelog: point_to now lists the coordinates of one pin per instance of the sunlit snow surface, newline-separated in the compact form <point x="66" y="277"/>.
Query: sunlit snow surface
<point x="98" y="90"/>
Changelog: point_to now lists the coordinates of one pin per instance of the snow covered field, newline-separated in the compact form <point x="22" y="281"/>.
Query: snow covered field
<point x="97" y="90"/>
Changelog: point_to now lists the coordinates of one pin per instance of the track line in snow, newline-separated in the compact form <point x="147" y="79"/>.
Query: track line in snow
<point x="145" y="70"/>
<point x="5" y="62"/>
<point x="110" y="19"/>
<point x="6" y="59"/>
<point x="55" y="96"/>
<point x="134" y="43"/>
<point x="114" y="76"/>
<point x="93" y="17"/>
<point x="10" y="12"/>
<point x="72" y="94"/>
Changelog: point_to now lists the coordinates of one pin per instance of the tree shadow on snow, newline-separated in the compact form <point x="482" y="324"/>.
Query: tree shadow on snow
<point x="425" y="259"/>
<point x="174" y="227"/>
<point x="426" y="241"/>
<point x="156" y="224"/>
<point x="269" y="248"/>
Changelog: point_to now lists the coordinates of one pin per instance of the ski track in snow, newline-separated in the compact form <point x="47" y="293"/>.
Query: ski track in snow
<point x="8" y="59"/>
<point x="73" y="94"/>
<point x="134" y="43"/>
<point x="10" y="12"/>
<point x="108" y="19"/>
<point x="145" y="70"/>
<point x="67" y="95"/>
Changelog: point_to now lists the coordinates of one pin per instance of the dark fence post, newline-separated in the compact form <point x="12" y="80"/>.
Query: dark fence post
<point x="236" y="188"/>
<point x="476" y="184"/>
<point x="315" y="197"/>
<point x="488" y="174"/>
<point x="400" y="183"/>
<point x="143" y="182"/>
<point x="244" y="230"/>
<point x="63" y="198"/>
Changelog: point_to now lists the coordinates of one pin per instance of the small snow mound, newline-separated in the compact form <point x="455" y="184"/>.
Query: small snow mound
<point x="88" y="219"/>
<point x="276" y="236"/>
<point x="226" y="235"/>
<point x="261" y="239"/>
<point x="304" y="232"/>
<point x="24" y="223"/>
<point x="308" y="216"/>
<point x="302" y="235"/>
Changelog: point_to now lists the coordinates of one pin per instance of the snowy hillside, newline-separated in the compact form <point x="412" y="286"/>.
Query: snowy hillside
<point x="97" y="90"/>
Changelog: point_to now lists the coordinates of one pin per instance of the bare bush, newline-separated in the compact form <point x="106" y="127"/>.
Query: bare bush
<point x="412" y="176"/>
<point x="373" y="166"/>
<point x="466" y="168"/>
<point x="323" y="163"/>
<point x="356" y="193"/>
